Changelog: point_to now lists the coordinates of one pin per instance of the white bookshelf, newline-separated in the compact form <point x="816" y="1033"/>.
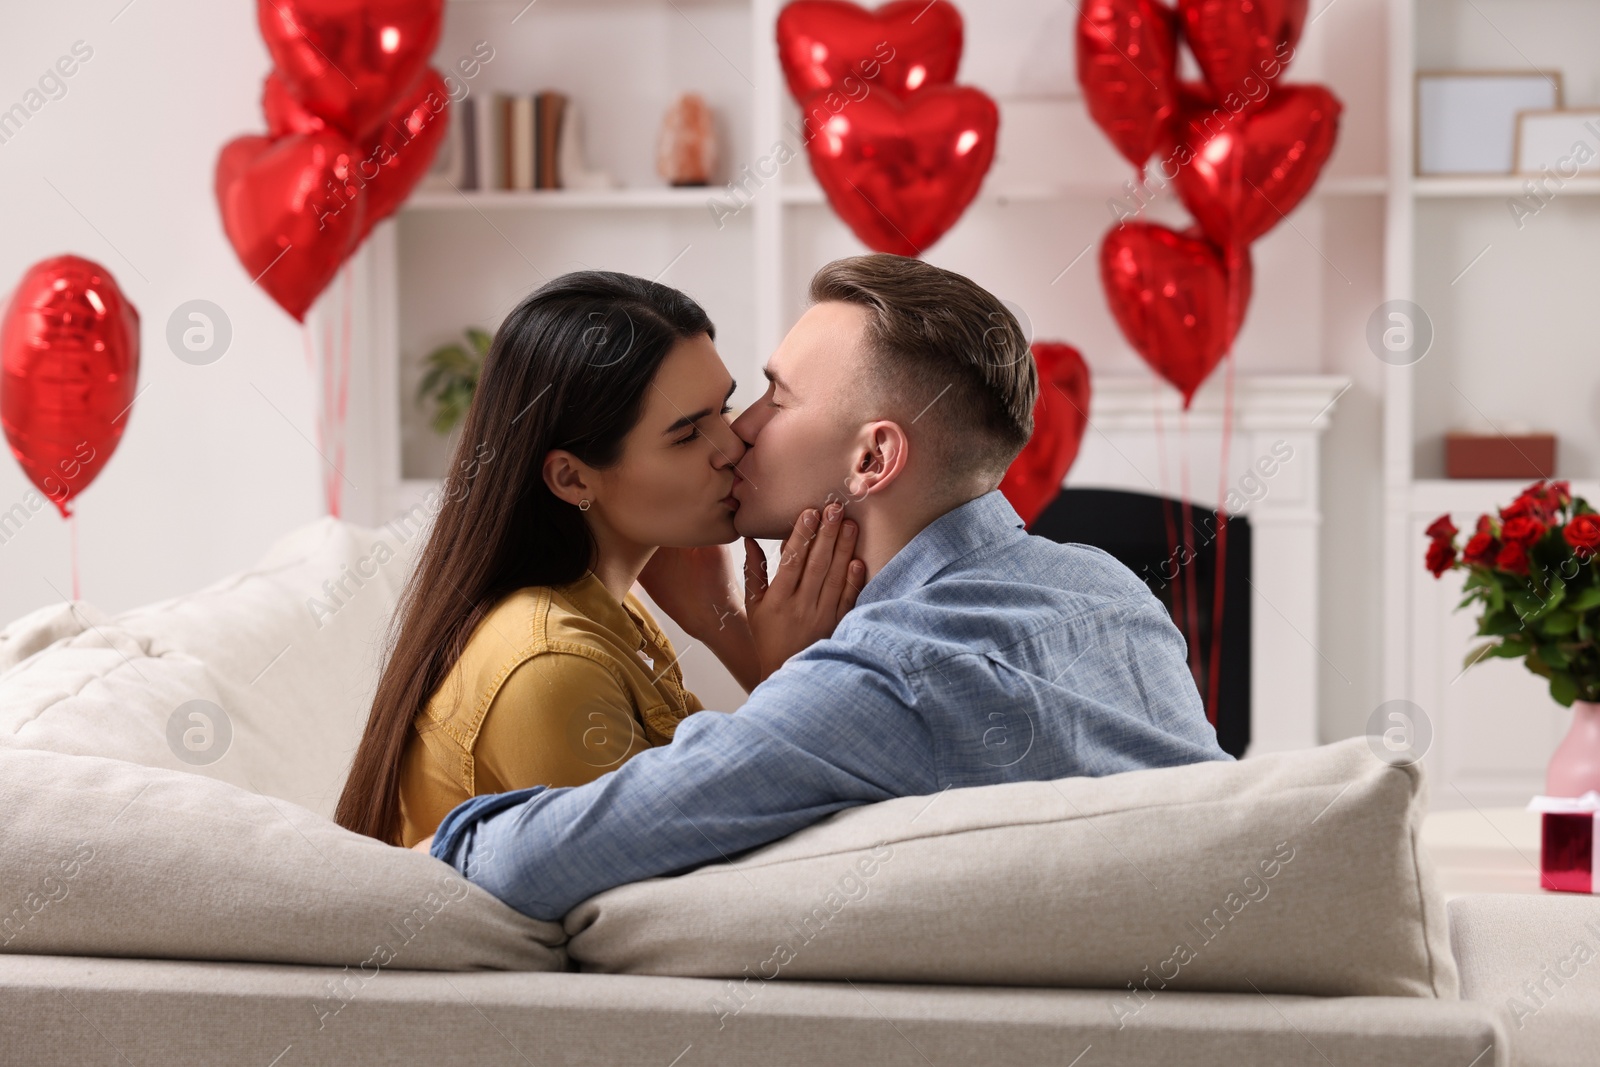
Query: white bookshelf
<point x="1504" y="323"/>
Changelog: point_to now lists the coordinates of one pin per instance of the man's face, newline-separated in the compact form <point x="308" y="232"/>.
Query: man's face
<point x="803" y="431"/>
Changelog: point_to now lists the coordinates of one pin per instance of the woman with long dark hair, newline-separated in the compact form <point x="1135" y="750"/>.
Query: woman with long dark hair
<point x="596" y="450"/>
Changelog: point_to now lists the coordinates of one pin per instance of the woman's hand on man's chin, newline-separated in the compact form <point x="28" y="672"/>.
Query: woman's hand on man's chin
<point x="816" y="585"/>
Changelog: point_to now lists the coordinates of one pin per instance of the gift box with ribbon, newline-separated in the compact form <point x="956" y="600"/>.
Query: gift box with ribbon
<point x="1568" y="859"/>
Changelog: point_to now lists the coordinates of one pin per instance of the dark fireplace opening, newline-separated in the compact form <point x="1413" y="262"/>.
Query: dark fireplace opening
<point x="1133" y="528"/>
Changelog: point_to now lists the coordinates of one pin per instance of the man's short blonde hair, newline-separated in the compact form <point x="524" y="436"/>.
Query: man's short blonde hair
<point x="949" y="355"/>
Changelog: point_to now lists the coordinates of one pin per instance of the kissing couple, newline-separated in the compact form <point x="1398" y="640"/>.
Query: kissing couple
<point x="531" y="726"/>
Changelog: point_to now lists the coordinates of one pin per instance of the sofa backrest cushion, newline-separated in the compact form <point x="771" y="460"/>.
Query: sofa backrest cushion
<point x="109" y="858"/>
<point x="1293" y="872"/>
<point x="263" y="679"/>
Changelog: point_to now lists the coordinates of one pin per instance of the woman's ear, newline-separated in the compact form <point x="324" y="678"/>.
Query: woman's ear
<point x="565" y="476"/>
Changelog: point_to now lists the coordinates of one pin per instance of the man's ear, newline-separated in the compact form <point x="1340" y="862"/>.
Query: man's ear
<point x="565" y="476"/>
<point x="879" y="459"/>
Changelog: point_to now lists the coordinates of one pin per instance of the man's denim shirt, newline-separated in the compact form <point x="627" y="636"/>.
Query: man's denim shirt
<point x="979" y="654"/>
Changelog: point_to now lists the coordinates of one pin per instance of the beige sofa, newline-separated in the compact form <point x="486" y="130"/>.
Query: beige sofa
<point x="174" y="892"/>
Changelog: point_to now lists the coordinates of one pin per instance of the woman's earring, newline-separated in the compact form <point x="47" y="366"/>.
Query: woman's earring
<point x="583" y="505"/>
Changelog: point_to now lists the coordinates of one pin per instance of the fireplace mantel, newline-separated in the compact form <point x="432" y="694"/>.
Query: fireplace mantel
<point x="1136" y="441"/>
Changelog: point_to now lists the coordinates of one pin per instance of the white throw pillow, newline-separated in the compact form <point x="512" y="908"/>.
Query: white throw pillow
<point x="109" y="858"/>
<point x="1295" y="872"/>
<point x="263" y="679"/>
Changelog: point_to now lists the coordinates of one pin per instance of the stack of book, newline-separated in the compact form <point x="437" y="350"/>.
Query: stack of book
<point x="512" y="141"/>
<point x="528" y="132"/>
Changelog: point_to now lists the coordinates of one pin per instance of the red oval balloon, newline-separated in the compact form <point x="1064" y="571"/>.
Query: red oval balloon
<point x="1127" y="64"/>
<point x="900" y="174"/>
<point x="901" y="47"/>
<point x="69" y="368"/>
<point x="350" y="61"/>
<point x="403" y="149"/>
<point x="1242" y="46"/>
<point x="1060" y="415"/>
<point x="1245" y="173"/>
<point x="290" y="212"/>
<point x="1171" y="296"/>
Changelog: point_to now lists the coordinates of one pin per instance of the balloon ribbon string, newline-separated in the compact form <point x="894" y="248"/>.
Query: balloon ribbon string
<point x="1166" y="512"/>
<point x="330" y="355"/>
<point x="1219" y="587"/>
<point x="1191" y="607"/>
<point x="72" y="524"/>
<point x="341" y="408"/>
<point x="315" y="364"/>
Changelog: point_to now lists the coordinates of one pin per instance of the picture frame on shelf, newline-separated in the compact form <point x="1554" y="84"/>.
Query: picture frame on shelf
<point x="1551" y="138"/>
<point x="1466" y="120"/>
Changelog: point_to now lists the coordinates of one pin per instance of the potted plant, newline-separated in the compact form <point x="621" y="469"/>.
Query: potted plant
<point x="452" y="377"/>
<point x="1535" y="570"/>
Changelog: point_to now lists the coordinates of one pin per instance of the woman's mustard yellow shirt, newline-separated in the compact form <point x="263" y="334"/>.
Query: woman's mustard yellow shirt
<point x="556" y="686"/>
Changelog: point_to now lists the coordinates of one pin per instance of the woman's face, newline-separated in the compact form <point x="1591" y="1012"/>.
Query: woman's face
<point x="673" y="483"/>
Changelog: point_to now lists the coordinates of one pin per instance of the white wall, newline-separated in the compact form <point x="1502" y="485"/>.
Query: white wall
<point x="215" y="462"/>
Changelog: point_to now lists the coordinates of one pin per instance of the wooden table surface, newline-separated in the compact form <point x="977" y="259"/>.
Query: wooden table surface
<point x="1484" y="850"/>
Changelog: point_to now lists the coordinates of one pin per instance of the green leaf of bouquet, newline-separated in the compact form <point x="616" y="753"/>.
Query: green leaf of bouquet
<point x="1509" y="649"/>
<point x="1526" y="604"/>
<point x="1495" y="623"/>
<point x="1537" y="665"/>
<point x="1483" y="651"/>
<point x="1564" y="689"/>
<point x="1583" y="601"/>
<point x="1532" y="617"/>
<point x="1553" y="655"/>
<point x="1559" y="622"/>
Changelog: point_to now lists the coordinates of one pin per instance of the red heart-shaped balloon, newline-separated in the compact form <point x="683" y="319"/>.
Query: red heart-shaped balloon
<point x="901" y="173"/>
<point x="1171" y="295"/>
<point x="290" y="212"/>
<point x="285" y="114"/>
<point x="1128" y="67"/>
<point x="901" y="47"/>
<point x="1060" y="415"/>
<point x="1240" y="175"/>
<point x="1242" y="46"/>
<point x="69" y="368"/>
<point x="350" y="61"/>
<point x="403" y="149"/>
<point x="235" y="157"/>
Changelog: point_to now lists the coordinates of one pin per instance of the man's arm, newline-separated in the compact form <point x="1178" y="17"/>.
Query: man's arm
<point x="831" y="729"/>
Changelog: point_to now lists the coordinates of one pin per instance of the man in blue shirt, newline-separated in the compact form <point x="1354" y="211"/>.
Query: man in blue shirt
<point x="975" y="654"/>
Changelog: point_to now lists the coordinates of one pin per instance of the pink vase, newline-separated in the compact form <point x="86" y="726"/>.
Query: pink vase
<point x="1575" y="767"/>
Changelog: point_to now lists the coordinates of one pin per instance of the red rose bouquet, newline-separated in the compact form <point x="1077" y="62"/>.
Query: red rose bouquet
<point x="1534" y="569"/>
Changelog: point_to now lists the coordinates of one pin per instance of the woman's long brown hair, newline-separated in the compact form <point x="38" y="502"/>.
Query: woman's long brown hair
<point x="568" y="369"/>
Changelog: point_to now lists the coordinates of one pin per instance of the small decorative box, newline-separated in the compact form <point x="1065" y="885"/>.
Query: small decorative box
<point x="1530" y="455"/>
<point x="1568" y="858"/>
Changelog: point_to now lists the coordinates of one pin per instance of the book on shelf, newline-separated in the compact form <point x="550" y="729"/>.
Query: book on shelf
<point x="456" y="165"/>
<point x="549" y="108"/>
<point x="510" y="142"/>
